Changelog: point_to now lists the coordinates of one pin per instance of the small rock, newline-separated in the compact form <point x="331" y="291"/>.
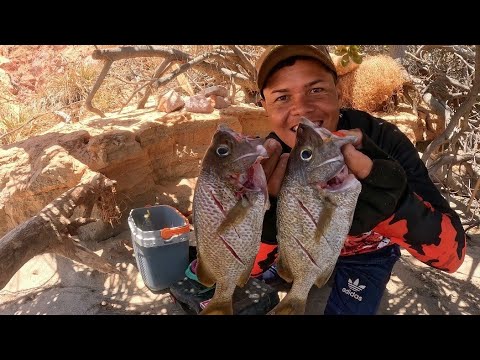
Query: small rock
<point x="170" y="101"/>
<point x="199" y="104"/>
<point x="220" y="102"/>
<point x="217" y="90"/>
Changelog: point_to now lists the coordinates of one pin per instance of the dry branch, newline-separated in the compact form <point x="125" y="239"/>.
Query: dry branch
<point x="128" y="52"/>
<point x="51" y="231"/>
<point x="457" y="49"/>
<point x="461" y="111"/>
<point x="96" y="86"/>
<point x="450" y="159"/>
<point x="158" y="72"/>
<point x="247" y="65"/>
<point x="397" y="52"/>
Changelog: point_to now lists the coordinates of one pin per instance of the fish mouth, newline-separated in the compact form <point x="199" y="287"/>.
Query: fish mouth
<point x="247" y="180"/>
<point x="318" y="123"/>
<point x="260" y="153"/>
<point x="340" y="182"/>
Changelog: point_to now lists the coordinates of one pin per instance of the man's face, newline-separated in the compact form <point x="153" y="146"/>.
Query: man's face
<point x="304" y="89"/>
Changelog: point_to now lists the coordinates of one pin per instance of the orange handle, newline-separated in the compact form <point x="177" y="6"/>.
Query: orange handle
<point x="167" y="233"/>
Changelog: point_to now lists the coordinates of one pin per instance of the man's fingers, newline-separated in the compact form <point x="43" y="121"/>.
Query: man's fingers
<point x="354" y="132"/>
<point x="274" y="149"/>
<point x="358" y="163"/>
<point x="277" y="176"/>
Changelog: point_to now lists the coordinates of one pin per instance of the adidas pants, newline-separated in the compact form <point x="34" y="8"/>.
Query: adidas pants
<point x="359" y="282"/>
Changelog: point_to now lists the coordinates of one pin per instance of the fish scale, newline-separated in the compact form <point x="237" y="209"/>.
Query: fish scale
<point x="211" y="216"/>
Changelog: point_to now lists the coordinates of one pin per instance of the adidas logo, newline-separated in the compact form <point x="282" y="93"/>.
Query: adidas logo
<point x="354" y="285"/>
<point x="353" y="288"/>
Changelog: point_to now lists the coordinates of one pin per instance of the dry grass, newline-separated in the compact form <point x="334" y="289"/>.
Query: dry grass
<point x="109" y="209"/>
<point x="67" y="90"/>
<point x="13" y="116"/>
<point x="69" y="87"/>
<point x="373" y="84"/>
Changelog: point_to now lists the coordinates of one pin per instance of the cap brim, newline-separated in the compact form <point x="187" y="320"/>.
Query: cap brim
<point x="284" y="52"/>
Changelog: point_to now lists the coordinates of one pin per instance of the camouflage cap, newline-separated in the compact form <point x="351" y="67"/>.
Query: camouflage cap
<point x="276" y="53"/>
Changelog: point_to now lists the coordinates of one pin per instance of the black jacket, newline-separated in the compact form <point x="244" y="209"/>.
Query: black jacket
<point x="398" y="198"/>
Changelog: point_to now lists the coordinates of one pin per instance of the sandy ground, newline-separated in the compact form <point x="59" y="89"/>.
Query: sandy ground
<point x="51" y="284"/>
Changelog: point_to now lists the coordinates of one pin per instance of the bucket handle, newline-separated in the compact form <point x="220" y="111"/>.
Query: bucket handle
<point x="167" y="233"/>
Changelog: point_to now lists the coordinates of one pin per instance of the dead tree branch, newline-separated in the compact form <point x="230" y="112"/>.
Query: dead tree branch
<point x="96" y="86"/>
<point x="461" y="111"/>
<point x="51" y="231"/>
<point x="247" y="65"/>
<point x="182" y="69"/>
<point x="450" y="159"/>
<point x="457" y="83"/>
<point x="158" y="72"/>
<point x="460" y="50"/>
<point x="199" y="63"/>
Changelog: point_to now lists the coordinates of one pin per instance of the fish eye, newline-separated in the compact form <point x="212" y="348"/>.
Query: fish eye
<point x="306" y="154"/>
<point x="223" y="150"/>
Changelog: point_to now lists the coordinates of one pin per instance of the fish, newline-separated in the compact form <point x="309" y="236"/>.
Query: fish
<point x="229" y="204"/>
<point x="315" y="208"/>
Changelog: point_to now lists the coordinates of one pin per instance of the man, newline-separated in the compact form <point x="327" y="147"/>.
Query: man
<point x="398" y="206"/>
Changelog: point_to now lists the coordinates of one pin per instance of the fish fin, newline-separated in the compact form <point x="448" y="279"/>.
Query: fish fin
<point x="322" y="279"/>
<point x="235" y="215"/>
<point x="246" y="274"/>
<point x="283" y="270"/>
<point x="220" y="307"/>
<point x="204" y="276"/>
<point x="289" y="306"/>
<point x="325" y="218"/>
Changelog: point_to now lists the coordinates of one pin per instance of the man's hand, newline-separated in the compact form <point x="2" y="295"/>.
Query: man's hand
<point x="274" y="166"/>
<point x="359" y="164"/>
<point x="383" y="182"/>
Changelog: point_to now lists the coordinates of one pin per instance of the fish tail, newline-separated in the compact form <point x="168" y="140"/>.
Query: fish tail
<point x="290" y="305"/>
<point x="295" y="302"/>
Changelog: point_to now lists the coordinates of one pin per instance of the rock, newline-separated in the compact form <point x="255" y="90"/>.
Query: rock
<point x="215" y="90"/>
<point x="170" y="101"/>
<point x="199" y="104"/>
<point x="220" y="102"/>
<point x="148" y="153"/>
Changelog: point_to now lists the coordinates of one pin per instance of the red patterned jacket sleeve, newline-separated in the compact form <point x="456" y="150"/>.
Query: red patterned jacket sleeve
<point x="423" y="222"/>
<point x="432" y="236"/>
